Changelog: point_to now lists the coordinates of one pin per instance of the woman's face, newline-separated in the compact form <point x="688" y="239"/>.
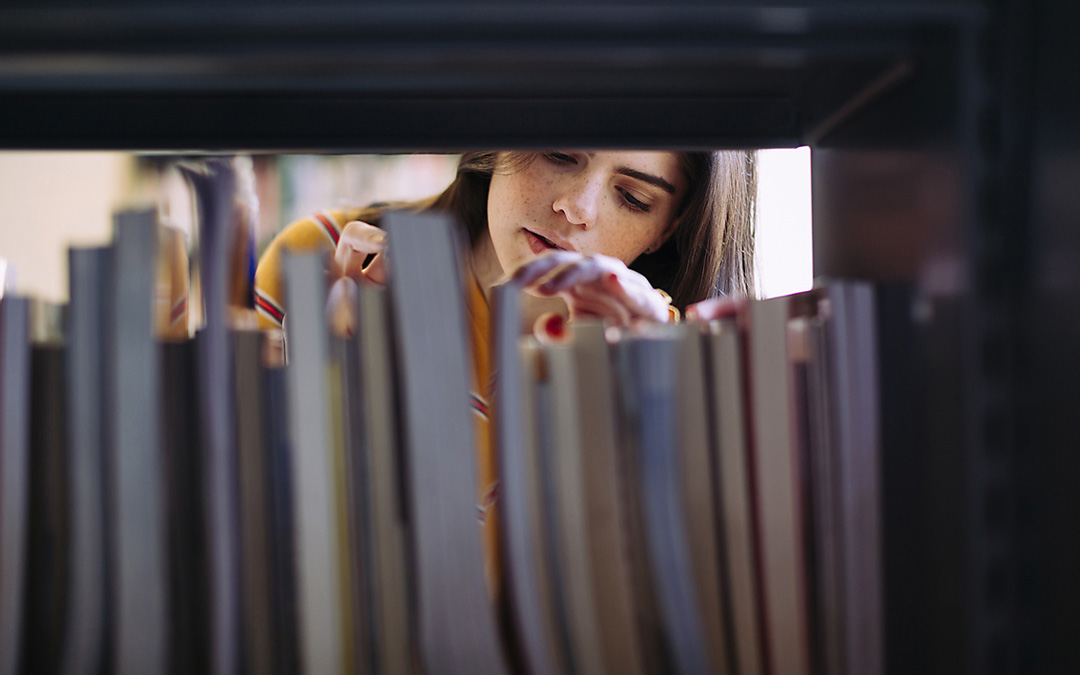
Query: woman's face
<point x="618" y="204"/>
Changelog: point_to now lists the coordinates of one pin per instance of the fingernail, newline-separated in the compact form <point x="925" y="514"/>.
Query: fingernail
<point x="555" y="326"/>
<point x="612" y="278"/>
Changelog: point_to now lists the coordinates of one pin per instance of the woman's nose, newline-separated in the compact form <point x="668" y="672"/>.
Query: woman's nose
<point x="579" y="201"/>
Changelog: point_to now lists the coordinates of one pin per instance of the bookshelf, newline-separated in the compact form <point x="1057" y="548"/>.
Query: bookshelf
<point x="942" y="155"/>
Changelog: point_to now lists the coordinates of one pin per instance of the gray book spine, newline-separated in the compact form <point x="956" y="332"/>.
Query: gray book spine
<point x="138" y="494"/>
<point x="391" y="611"/>
<point x="426" y="291"/>
<point x="318" y="597"/>
<point x="14" y="473"/>
<point x="215" y="196"/>
<point x="859" y="454"/>
<point x="85" y="632"/>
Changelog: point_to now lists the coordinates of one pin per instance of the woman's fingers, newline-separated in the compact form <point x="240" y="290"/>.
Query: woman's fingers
<point x="715" y="308"/>
<point x="589" y="300"/>
<point x="357" y="242"/>
<point x="534" y="270"/>
<point x="341" y="307"/>
<point x="642" y="299"/>
<point x="594" y="286"/>
<point x="376" y="269"/>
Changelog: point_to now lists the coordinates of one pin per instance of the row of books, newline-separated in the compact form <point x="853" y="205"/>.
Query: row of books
<point x="681" y="498"/>
<point x="698" y="497"/>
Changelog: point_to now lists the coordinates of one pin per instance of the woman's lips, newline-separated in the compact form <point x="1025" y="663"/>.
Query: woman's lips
<point x="539" y="243"/>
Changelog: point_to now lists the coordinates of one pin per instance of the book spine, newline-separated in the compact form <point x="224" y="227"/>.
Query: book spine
<point x="778" y="489"/>
<point x="518" y="476"/>
<point x="569" y="509"/>
<point x="14" y="474"/>
<point x="736" y="507"/>
<point x="440" y="447"/>
<point x="314" y="502"/>
<point x="140" y="594"/>
<point x="282" y="532"/>
<point x="45" y="606"/>
<point x="215" y="194"/>
<point x="392" y="610"/>
<point x="85" y="631"/>
<point x="653" y="363"/>
<point x="605" y="499"/>
<point x="697" y="489"/>
<point x="254" y="503"/>
<point x="859" y="457"/>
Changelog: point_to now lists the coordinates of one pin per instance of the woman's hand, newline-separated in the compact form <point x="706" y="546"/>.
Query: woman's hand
<point x="357" y="242"/>
<point x="594" y="286"/>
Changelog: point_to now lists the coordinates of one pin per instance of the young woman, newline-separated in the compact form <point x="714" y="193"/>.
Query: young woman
<point x="624" y="236"/>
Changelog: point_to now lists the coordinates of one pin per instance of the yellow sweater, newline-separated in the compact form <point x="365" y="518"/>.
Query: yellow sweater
<point x="321" y="232"/>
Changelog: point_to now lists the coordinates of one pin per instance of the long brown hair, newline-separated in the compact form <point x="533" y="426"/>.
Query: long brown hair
<point x="711" y="251"/>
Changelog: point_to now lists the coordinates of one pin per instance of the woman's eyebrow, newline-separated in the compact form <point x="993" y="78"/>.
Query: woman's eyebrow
<point x="647" y="178"/>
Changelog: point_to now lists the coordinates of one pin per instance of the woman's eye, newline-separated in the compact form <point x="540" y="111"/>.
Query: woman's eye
<point x="633" y="202"/>
<point x="560" y="157"/>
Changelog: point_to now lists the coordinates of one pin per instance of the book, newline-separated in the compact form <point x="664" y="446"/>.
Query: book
<point x="777" y="481"/>
<point x="698" y="489"/>
<point x="426" y="291"/>
<point x="650" y="359"/>
<point x="188" y="557"/>
<point x="84" y="635"/>
<point x="540" y="402"/>
<point x="319" y="603"/>
<point x="339" y="487"/>
<point x="527" y="583"/>
<point x="214" y="188"/>
<point x="346" y="357"/>
<point x="732" y="472"/>
<point x="603" y="473"/>
<point x="851" y="333"/>
<point x="254" y="503"/>
<point x="45" y="590"/>
<point x="568" y="507"/>
<point x="824" y="556"/>
<point x="14" y="473"/>
<point x="135" y="489"/>
<point x="390" y="610"/>
<point x="282" y="532"/>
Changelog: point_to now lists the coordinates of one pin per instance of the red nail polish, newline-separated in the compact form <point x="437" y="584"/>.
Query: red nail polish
<point x="555" y="326"/>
